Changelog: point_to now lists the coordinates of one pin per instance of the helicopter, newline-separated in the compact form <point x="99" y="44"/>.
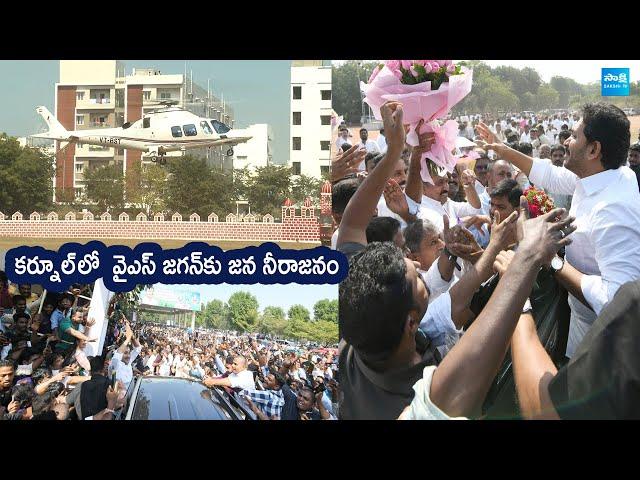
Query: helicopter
<point x="167" y="129"/>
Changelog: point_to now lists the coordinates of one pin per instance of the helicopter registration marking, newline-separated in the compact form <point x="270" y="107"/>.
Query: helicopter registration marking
<point x="115" y="141"/>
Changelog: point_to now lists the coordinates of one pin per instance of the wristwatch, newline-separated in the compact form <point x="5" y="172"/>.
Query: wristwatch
<point x="556" y="264"/>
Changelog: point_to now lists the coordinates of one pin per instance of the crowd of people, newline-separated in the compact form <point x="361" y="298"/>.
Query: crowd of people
<point x="423" y="247"/>
<point x="46" y="374"/>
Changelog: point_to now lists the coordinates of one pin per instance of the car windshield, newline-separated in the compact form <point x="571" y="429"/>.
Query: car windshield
<point x="219" y="127"/>
<point x="167" y="399"/>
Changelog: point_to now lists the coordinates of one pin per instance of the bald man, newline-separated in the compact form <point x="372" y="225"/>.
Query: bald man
<point x="240" y="378"/>
<point x="498" y="171"/>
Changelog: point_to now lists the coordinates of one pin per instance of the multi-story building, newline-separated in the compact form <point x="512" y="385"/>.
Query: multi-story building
<point x="95" y="94"/>
<point x="310" y="145"/>
<point x="257" y="152"/>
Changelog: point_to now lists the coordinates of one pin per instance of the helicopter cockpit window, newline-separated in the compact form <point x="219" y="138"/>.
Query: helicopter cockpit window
<point x="206" y="128"/>
<point x="176" y="131"/>
<point x="219" y="127"/>
<point x="190" y="130"/>
<point x="146" y="122"/>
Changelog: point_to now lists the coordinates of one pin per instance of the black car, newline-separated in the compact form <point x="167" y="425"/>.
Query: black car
<point x="172" y="398"/>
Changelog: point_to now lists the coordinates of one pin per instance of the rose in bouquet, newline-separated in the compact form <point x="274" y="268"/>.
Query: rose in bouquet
<point x="428" y="90"/>
<point x="539" y="202"/>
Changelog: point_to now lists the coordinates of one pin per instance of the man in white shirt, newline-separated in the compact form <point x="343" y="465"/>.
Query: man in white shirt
<point x="240" y="378"/>
<point x="122" y="358"/>
<point x="525" y="137"/>
<point x="343" y="137"/>
<point x="369" y="145"/>
<point x="605" y="252"/>
<point x="382" y="142"/>
<point x="435" y="201"/>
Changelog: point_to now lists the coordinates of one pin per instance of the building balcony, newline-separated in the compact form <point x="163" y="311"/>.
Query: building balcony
<point x="95" y="104"/>
<point x="94" y="151"/>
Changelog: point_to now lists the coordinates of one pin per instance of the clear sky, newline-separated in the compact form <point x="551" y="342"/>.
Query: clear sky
<point x="257" y="90"/>
<point x="283" y="296"/>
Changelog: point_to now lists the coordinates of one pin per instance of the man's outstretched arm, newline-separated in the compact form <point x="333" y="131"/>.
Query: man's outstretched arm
<point x="362" y="205"/>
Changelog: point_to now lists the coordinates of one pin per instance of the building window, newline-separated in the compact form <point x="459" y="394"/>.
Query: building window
<point x="297" y="143"/>
<point x="79" y="96"/>
<point x="176" y="131"/>
<point x="146" y="95"/>
<point x="324" y="171"/>
<point x="190" y="130"/>
<point x="325" y="119"/>
<point x="297" y="118"/>
<point x="79" y="119"/>
<point x="79" y="167"/>
<point x="78" y="192"/>
<point x="325" y="94"/>
<point x="325" y="145"/>
<point x="297" y="93"/>
<point x="296" y="168"/>
<point x="165" y="95"/>
<point x="146" y="122"/>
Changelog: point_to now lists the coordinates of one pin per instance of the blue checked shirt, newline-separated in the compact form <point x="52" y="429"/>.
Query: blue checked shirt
<point x="270" y="402"/>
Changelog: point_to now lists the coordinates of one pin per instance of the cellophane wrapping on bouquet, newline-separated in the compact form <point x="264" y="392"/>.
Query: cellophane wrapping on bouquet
<point x="428" y="90"/>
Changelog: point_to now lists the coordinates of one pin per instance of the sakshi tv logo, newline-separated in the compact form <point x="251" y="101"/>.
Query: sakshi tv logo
<point x="615" y="82"/>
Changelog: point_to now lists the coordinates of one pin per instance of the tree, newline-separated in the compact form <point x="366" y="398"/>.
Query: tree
<point x="194" y="187"/>
<point x="268" y="188"/>
<point x="326" y="311"/>
<point x="566" y="87"/>
<point x="547" y="97"/>
<point x="105" y="186"/>
<point x="299" y="312"/>
<point x="304" y="187"/>
<point x="146" y="186"/>
<point x="242" y="312"/>
<point x="25" y="175"/>
<point x="273" y="321"/>
<point x="345" y="86"/>
<point x="213" y="315"/>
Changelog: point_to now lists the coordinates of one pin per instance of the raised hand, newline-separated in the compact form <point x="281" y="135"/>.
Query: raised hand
<point x="459" y="240"/>
<point x="468" y="178"/>
<point x="426" y="141"/>
<point x="476" y="221"/>
<point x="394" y="132"/>
<point x="503" y="232"/>
<point x="502" y="261"/>
<point x="543" y="236"/>
<point x="395" y="198"/>
<point x="347" y="163"/>
<point x="490" y="140"/>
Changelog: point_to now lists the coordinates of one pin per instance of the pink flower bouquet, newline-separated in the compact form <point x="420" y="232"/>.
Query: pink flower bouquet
<point x="427" y="89"/>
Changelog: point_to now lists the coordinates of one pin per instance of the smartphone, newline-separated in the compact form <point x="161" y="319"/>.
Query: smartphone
<point x="113" y="380"/>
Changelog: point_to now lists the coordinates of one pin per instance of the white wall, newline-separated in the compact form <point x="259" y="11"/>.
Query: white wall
<point x="312" y="79"/>
<point x="257" y="151"/>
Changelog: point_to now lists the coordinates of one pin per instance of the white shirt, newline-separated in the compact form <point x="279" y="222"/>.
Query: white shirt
<point x="370" y="146"/>
<point x="421" y="407"/>
<point x="339" y="142"/>
<point x="606" y="244"/>
<point x="382" y="143"/>
<point x="433" y="211"/>
<point x="334" y="239"/>
<point x="124" y="371"/>
<point x="438" y="325"/>
<point x="243" y="380"/>
<point x="437" y="285"/>
<point x="384" y="211"/>
<point x="525" y="138"/>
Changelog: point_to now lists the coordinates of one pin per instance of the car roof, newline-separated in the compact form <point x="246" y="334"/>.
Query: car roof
<point x="171" y="398"/>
